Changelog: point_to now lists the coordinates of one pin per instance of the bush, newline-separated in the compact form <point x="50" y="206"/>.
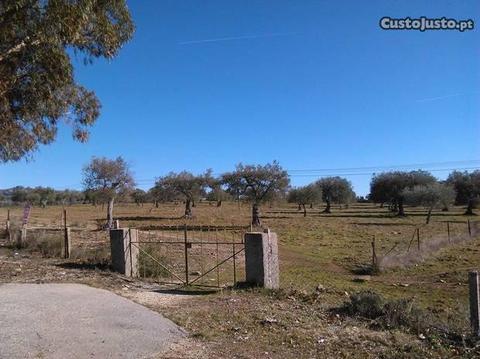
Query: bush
<point x="365" y="304"/>
<point x="388" y="314"/>
<point x="48" y="244"/>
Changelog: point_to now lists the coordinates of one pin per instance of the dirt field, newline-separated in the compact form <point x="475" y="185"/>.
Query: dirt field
<point x="323" y="259"/>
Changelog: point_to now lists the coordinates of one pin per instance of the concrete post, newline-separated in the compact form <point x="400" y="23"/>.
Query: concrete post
<point x="261" y="259"/>
<point x="473" y="284"/>
<point x="124" y="251"/>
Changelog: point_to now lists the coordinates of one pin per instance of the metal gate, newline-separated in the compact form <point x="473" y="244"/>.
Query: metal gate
<point x="207" y="256"/>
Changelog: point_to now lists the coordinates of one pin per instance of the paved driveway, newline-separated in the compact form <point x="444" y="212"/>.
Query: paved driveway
<point x="77" y="321"/>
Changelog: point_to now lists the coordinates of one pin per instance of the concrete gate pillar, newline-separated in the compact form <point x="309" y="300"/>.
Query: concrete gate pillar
<point x="124" y="253"/>
<point x="261" y="259"/>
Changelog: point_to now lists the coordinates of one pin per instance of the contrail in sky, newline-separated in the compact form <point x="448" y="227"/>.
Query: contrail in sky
<point x="232" y="38"/>
<point x="439" y="97"/>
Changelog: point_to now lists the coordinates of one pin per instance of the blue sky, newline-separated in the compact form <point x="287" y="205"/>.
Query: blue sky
<point x="312" y="84"/>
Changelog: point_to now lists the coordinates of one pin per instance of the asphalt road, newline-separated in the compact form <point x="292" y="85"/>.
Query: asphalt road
<point x="77" y="321"/>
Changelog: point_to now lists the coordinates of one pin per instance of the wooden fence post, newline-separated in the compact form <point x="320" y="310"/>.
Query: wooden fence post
<point x="474" y="302"/>
<point x="374" y="256"/>
<point x="448" y="231"/>
<point x="23" y="237"/>
<point x="469" y="228"/>
<point x="67" y="245"/>
<point x="185" y="237"/>
<point x="418" y="239"/>
<point x="7" y="226"/>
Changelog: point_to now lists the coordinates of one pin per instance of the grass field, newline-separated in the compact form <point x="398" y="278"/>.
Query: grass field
<point x="328" y="251"/>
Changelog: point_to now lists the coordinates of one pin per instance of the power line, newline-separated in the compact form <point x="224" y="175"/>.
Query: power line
<point x="373" y="168"/>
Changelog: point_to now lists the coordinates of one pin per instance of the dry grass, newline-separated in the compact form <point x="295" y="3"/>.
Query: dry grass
<point x="320" y="249"/>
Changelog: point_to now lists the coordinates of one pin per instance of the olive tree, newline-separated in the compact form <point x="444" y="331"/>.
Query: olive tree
<point x="305" y="195"/>
<point x="257" y="184"/>
<point x="108" y="178"/>
<point x="139" y="196"/>
<point x="190" y="186"/>
<point x="430" y="196"/>
<point x="37" y="86"/>
<point x="390" y="186"/>
<point x="467" y="188"/>
<point x="335" y="190"/>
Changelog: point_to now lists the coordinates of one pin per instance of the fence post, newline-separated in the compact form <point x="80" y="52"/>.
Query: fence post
<point x="474" y="302"/>
<point x="67" y="243"/>
<point x="185" y="238"/>
<point x="23" y="237"/>
<point x="124" y="250"/>
<point x="261" y="259"/>
<point x="448" y="231"/>
<point x="7" y="225"/>
<point x="469" y="228"/>
<point x="418" y="239"/>
<point x="66" y="237"/>
<point x="374" y="256"/>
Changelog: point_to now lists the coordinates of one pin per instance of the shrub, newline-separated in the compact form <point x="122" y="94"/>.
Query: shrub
<point x="366" y="304"/>
<point x="388" y="314"/>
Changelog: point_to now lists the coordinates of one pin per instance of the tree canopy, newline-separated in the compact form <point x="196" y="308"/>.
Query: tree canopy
<point x="335" y="190"/>
<point x="37" y="84"/>
<point x="389" y="186"/>
<point x="186" y="184"/>
<point x="430" y="196"/>
<point x="109" y="178"/>
<point x="257" y="184"/>
<point x="305" y="195"/>
<point x="467" y="188"/>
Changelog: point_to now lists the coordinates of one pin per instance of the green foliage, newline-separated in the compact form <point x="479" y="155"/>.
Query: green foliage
<point x="335" y="190"/>
<point x="389" y="187"/>
<point x="430" y="196"/>
<point x="184" y="184"/>
<point x="257" y="183"/>
<point x="305" y="195"/>
<point x="107" y="176"/>
<point x="38" y="87"/>
<point x="467" y="186"/>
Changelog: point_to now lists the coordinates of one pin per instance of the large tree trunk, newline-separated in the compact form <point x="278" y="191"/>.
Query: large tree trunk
<point x="429" y="215"/>
<point x="256" y="216"/>
<point x="304" y="210"/>
<point x="110" y="213"/>
<point x="469" y="211"/>
<point x="328" y="208"/>
<point x="401" y="210"/>
<point x="188" y="208"/>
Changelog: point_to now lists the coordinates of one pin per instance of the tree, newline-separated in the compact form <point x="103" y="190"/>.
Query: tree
<point x="257" y="183"/>
<point x="305" y="195"/>
<point x="430" y="196"/>
<point x="191" y="187"/>
<point x="108" y="178"/>
<point x="37" y="87"/>
<point x="139" y="196"/>
<point x="389" y="186"/>
<point x="335" y="190"/>
<point x="467" y="188"/>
